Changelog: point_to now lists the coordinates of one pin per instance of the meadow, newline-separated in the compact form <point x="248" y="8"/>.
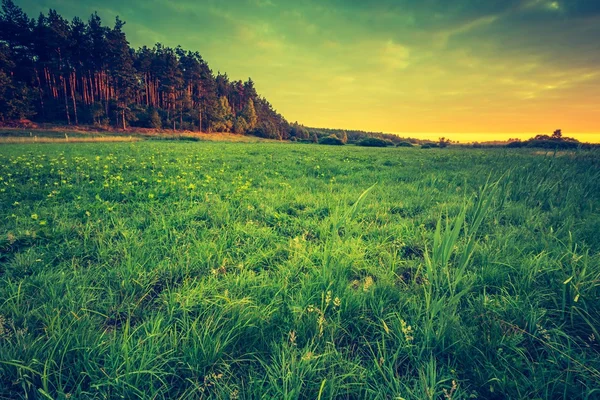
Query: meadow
<point x="296" y="271"/>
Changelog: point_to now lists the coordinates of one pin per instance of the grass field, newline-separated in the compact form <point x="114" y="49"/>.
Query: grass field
<point x="291" y="271"/>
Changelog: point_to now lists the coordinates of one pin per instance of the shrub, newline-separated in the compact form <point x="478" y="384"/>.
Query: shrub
<point x="240" y="126"/>
<point x="552" y="144"/>
<point x="515" y="144"/>
<point x="222" y="126"/>
<point x="267" y="129"/>
<point x="331" y="140"/>
<point x="429" y="145"/>
<point x="405" y="144"/>
<point x="186" y="126"/>
<point x="375" y="142"/>
<point x="154" y="119"/>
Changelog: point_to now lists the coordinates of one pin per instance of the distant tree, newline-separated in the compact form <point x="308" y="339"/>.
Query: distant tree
<point x="315" y="138"/>
<point x="443" y="142"/>
<point x="344" y="137"/>
<point x="557" y="134"/>
<point x="298" y="131"/>
<point x="516" y="144"/>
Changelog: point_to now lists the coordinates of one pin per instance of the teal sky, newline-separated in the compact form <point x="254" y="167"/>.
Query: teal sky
<point x="484" y="68"/>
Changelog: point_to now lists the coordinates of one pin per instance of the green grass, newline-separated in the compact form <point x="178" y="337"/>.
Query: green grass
<point x="290" y="271"/>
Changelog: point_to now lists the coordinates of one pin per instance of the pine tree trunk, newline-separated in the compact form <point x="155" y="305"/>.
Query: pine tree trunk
<point x="84" y="86"/>
<point x="147" y="90"/>
<point x="41" y="92"/>
<point x="83" y="90"/>
<point x="64" y="85"/>
<point x="72" y="82"/>
<point x="92" y="98"/>
<point x="97" y="91"/>
<point x="123" y="117"/>
<point x="106" y="91"/>
<point x="54" y="89"/>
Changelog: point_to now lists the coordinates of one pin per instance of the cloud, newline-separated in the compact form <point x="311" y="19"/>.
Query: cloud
<point x="442" y="37"/>
<point x="393" y="55"/>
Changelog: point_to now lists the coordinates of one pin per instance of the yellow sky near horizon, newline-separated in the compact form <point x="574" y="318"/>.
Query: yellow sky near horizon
<point x="492" y="137"/>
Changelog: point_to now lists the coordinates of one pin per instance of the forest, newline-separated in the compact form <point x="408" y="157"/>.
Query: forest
<point x="86" y="73"/>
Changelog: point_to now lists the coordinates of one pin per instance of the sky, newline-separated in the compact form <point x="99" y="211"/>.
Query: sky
<point x="472" y="70"/>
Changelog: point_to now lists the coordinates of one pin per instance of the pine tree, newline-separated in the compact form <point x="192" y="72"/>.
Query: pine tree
<point x="223" y="85"/>
<point x="249" y="90"/>
<point x="16" y="32"/>
<point x="121" y="71"/>
<point x="223" y="117"/>
<point x="240" y="126"/>
<point x="249" y="114"/>
<point x="15" y="99"/>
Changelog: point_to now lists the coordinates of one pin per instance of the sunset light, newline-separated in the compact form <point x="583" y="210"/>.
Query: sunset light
<point x="470" y="69"/>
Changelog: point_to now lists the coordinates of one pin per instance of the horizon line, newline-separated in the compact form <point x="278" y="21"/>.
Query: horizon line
<point x="467" y="137"/>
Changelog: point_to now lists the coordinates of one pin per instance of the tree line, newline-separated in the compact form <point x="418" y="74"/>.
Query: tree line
<point x="77" y="72"/>
<point x="353" y="136"/>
